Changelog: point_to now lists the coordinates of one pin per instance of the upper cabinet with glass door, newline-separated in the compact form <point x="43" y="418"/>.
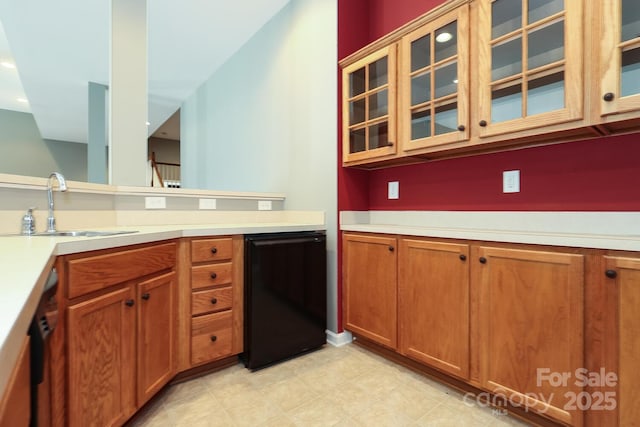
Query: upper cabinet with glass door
<point x="619" y="41"/>
<point x="369" y="108"/>
<point x="434" y="83"/>
<point x="530" y="64"/>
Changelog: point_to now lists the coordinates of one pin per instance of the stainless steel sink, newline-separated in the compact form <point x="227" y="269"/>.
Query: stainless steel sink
<point x="82" y="233"/>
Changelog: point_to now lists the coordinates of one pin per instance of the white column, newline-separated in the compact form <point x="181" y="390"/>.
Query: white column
<point x="128" y="93"/>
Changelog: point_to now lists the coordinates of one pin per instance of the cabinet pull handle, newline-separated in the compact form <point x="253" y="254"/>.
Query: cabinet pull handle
<point x="608" y="96"/>
<point x="463" y="257"/>
<point x="461" y="128"/>
<point x="213" y="338"/>
<point x="483" y="123"/>
<point x="129" y="303"/>
<point x="214" y="300"/>
<point x="390" y="143"/>
<point x="213" y="275"/>
<point x="483" y="260"/>
<point x="611" y="274"/>
<point x="214" y="250"/>
<point x="146" y="296"/>
<point x="391" y="248"/>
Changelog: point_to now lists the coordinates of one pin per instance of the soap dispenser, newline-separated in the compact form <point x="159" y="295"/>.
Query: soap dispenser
<point x="28" y="223"/>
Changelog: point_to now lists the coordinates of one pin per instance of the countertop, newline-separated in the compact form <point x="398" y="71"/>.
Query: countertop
<point x="25" y="263"/>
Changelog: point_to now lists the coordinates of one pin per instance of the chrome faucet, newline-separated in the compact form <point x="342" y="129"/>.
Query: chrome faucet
<point x="62" y="186"/>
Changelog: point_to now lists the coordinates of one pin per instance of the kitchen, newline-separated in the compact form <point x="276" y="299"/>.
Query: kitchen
<point x="593" y="179"/>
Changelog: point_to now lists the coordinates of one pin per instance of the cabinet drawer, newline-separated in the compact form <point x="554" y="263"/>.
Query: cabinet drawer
<point x="204" y="276"/>
<point x="211" y="249"/>
<point x="211" y="337"/>
<point x="212" y="300"/>
<point x="91" y="273"/>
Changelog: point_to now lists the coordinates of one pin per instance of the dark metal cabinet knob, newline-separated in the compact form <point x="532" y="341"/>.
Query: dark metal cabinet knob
<point x="214" y="300"/>
<point x="129" y="303"/>
<point x="463" y="257"/>
<point x="461" y="128"/>
<point x="611" y="274"/>
<point x="608" y="96"/>
<point x="214" y="250"/>
<point x="146" y="296"/>
<point x="213" y="275"/>
<point x="483" y="123"/>
<point x="213" y="338"/>
<point x="391" y="248"/>
<point x="483" y="260"/>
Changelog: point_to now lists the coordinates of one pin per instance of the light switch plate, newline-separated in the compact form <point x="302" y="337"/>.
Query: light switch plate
<point x="393" y="190"/>
<point x="207" y="203"/>
<point x="155" y="202"/>
<point x="264" y="205"/>
<point x="511" y="181"/>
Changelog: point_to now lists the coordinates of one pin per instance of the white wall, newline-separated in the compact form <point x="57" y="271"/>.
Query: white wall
<point x="266" y="120"/>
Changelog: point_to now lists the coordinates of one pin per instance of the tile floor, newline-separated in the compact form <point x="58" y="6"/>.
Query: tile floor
<point x="342" y="387"/>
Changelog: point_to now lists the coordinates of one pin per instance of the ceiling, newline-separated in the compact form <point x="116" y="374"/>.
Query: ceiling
<point x="58" y="47"/>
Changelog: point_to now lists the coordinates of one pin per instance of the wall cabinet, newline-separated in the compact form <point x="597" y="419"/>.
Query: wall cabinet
<point x="369" y="107"/>
<point x="621" y="282"/>
<point x="531" y="327"/>
<point x="617" y="37"/>
<point x="118" y="333"/>
<point x="433" y="304"/>
<point x="370" y="287"/>
<point x="211" y="305"/>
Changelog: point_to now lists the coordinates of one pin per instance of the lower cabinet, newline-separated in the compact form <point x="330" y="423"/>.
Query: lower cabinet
<point x="118" y="333"/>
<point x="370" y="287"/>
<point x="620" y="378"/>
<point x="15" y="403"/>
<point x="433" y="304"/>
<point x="531" y="328"/>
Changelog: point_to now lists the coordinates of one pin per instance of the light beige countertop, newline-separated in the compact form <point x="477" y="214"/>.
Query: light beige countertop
<point x="25" y="263"/>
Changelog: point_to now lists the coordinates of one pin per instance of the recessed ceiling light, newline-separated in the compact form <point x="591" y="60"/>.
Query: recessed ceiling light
<point x="23" y="100"/>
<point x="7" y="64"/>
<point x="455" y="81"/>
<point x="443" y="37"/>
<point x="148" y="124"/>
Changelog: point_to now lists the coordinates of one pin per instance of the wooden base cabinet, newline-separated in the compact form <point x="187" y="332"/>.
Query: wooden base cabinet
<point x="433" y="304"/>
<point x="621" y="282"/>
<point x="370" y="287"/>
<point x="531" y="328"/>
<point x="15" y="403"/>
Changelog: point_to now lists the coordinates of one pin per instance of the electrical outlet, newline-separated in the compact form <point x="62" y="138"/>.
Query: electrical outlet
<point x="155" y="202"/>
<point x="511" y="181"/>
<point x="207" y="204"/>
<point x="264" y="205"/>
<point x="393" y="191"/>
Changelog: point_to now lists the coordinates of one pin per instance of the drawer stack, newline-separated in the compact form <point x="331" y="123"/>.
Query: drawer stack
<point x="212" y="299"/>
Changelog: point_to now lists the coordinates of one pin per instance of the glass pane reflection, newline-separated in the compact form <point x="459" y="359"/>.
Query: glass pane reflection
<point x="506" y="103"/>
<point x="630" y="80"/>
<point x="446" y="44"/>
<point x="540" y="9"/>
<point x="420" y="124"/>
<point x="421" y="53"/>
<point x="357" y="141"/>
<point x="545" y="94"/>
<point x="356" y="82"/>
<point x="420" y="88"/>
<point x="546" y="45"/>
<point x="446" y="118"/>
<point x="506" y="59"/>
<point x="356" y="111"/>
<point x="378" y="104"/>
<point x="630" y="19"/>
<point x="378" y="135"/>
<point x="506" y="16"/>
<point x="378" y="73"/>
<point x="446" y="80"/>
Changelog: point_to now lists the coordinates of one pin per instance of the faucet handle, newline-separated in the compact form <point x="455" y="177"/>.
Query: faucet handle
<point x="29" y="222"/>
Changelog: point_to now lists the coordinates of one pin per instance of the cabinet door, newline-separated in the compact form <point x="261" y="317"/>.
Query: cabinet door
<point x="619" y="41"/>
<point x="370" y="287"/>
<point x="622" y="335"/>
<point x="433" y="304"/>
<point x="156" y="334"/>
<point x="15" y="404"/>
<point x="434" y="82"/>
<point x="530" y="64"/>
<point x="101" y="359"/>
<point x="531" y="328"/>
<point x="369" y="107"/>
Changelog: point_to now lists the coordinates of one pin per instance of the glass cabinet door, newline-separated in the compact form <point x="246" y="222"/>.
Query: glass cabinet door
<point x="434" y="100"/>
<point x="530" y="59"/>
<point x="620" y="56"/>
<point x="369" y="92"/>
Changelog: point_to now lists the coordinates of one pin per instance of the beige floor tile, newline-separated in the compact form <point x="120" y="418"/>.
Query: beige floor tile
<point x="183" y="391"/>
<point x="278" y="421"/>
<point x="289" y="394"/>
<point x="446" y="416"/>
<point x="383" y="416"/>
<point x="251" y="410"/>
<point x="351" y="398"/>
<point x="317" y="413"/>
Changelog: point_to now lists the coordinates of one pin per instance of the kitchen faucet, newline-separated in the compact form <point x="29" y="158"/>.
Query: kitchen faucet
<point x="62" y="186"/>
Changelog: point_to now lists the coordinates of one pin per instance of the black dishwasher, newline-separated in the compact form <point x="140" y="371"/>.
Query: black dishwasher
<point x="285" y="296"/>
